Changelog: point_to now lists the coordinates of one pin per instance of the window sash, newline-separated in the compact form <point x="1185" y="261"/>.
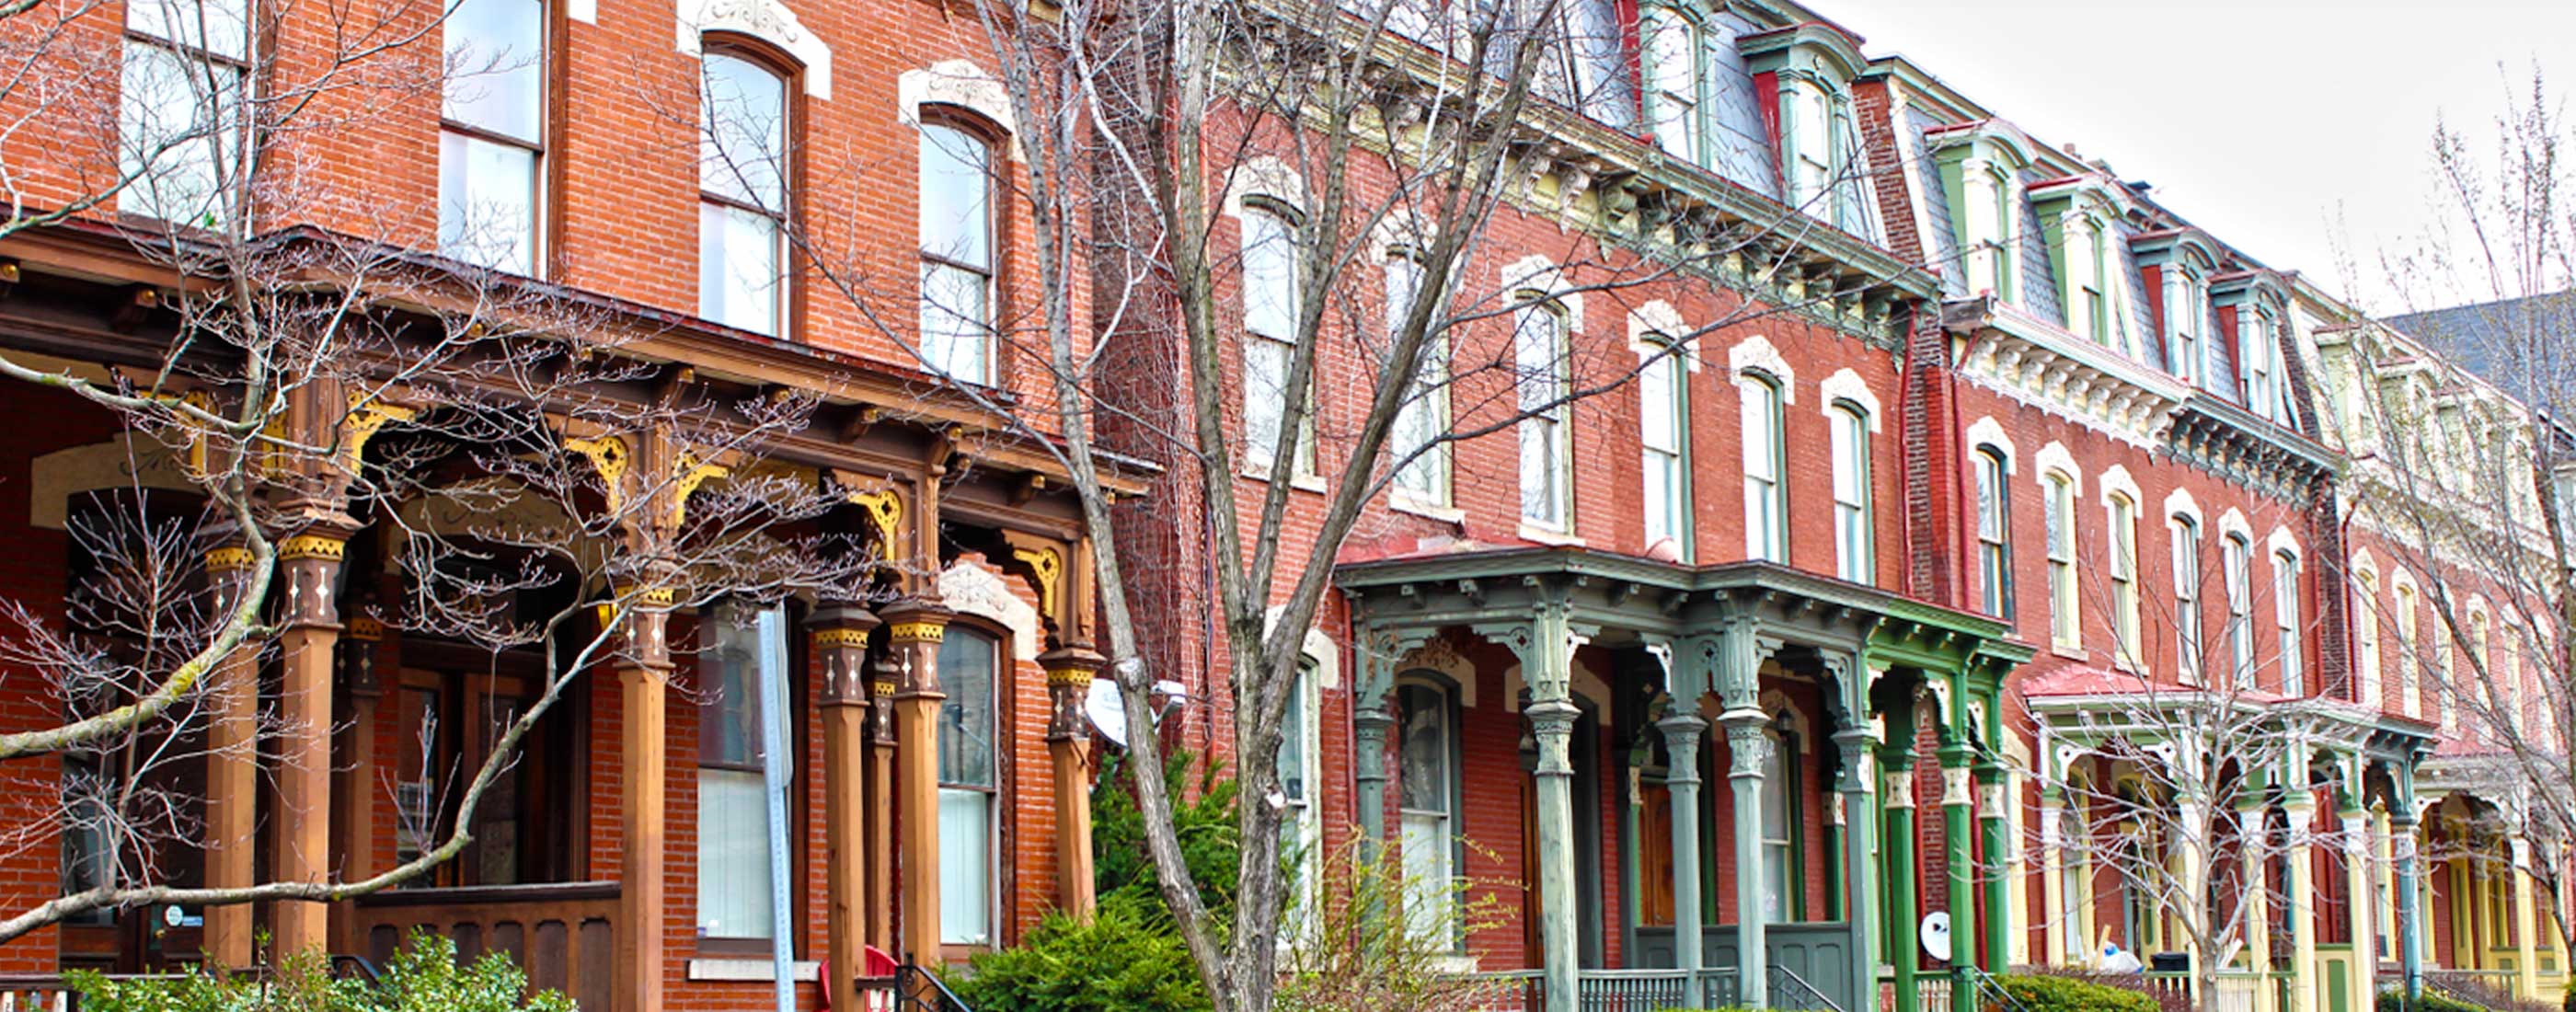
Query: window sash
<point x="179" y="118"/>
<point x="956" y="314"/>
<point x="739" y="279"/>
<point x="2186" y="563"/>
<point x="488" y="196"/>
<point x="1850" y="449"/>
<point x="744" y="662"/>
<point x="496" y="57"/>
<point x="1538" y="353"/>
<point x="1764" y="512"/>
<point x="2285" y="619"/>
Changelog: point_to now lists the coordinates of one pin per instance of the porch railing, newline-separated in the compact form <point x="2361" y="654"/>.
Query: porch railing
<point x="1617" y="991"/>
<point x="2491" y="988"/>
<point x="562" y="934"/>
<point x="38" y="993"/>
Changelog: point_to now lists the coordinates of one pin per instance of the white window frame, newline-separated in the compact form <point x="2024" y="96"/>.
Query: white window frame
<point x="2065" y="603"/>
<point x="1423" y="419"/>
<point x="1761" y="401"/>
<point x="952" y="342"/>
<point x="982" y="857"/>
<point x="2236" y="561"/>
<point x="180" y="172"/>
<point x="1438" y="889"/>
<point x="1663" y="390"/>
<point x="2287" y="625"/>
<point x="1540" y="380"/>
<point x="721" y="170"/>
<point x="464" y="230"/>
<point x="2184" y="531"/>
<point x="1854" y="549"/>
<point x="1267" y="409"/>
<point x="1685" y="111"/>
<point x="1993" y="480"/>
<point x="2122" y="549"/>
<point x="2365" y="626"/>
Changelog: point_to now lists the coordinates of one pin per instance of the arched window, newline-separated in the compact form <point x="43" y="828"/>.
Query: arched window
<point x="2479" y="654"/>
<point x="2186" y="575"/>
<point x="2186" y="298"/>
<point x="742" y="193"/>
<point x="1271" y="304"/>
<point x="2235" y="562"/>
<point x="969" y="778"/>
<point x="1428" y="801"/>
<point x="2091" y="280"/>
<point x="958" y="254"/>
<point x="1766" y="503"/>
<point x="2410" y="682"/>
<point x="2287" y="623"/>
<point x="1539" y="357"/>
<point x="1663" y="433"/>
<point x="1423" y="418"/>
<point x="744" y="669"/>
<point x="2065" y="619"/>
<point x="1850" y="449"/>
<point x="1673" y="75"/>
<point x="1994" y="534"/>
<point x="492" y="133"/>
<point x="2124" y="577"/>
<point x="2365" y="636"/>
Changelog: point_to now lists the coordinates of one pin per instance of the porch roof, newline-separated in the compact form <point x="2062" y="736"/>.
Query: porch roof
<point x="1652" y="597"/>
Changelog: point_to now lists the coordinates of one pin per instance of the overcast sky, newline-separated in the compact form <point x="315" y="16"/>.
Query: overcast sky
<point x="2261" y="120"/>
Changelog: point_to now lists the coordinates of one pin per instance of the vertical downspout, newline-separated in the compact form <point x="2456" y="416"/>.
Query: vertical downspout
<point x="773" y="796"/>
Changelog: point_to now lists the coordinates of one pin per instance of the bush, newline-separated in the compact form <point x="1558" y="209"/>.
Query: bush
<point x="1360" y="954"/>
<point x="2052" y="993"/>
<point x="1128" y="956"/>
<point x="2567" y="999"/>
<point x="424" y="977"/>
<point x="1206" y="827"/>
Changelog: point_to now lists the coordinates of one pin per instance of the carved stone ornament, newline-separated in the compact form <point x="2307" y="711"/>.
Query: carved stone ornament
<point x="1954" y="785"/>
<point x="1900" y="788"/>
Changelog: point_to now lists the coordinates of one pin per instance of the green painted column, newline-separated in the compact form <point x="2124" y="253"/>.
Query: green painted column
<point x="1737" y="674"/>
<point x="1997" y="837"/>
<point x="1682" y="733"/>
<point x="2405" y="836"/>
<point x="1369" y="724"/>
<point x="1546" y="645"/>
<point x="1860" y="884"/>
<point x="1897" y="849"/>
<point x="1957" y="823"/>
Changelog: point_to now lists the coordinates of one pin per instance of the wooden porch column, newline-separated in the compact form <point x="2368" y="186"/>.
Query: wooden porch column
<point x="1996" y="836"/>
<point x="354" y="800"/>
<point x="2060" y="923"/>
<point x="643" y="677"/>
<point x="2526" y="968"/>
<point x="311" y="562"/>
<point x="1903" y="872"/>
<point x="2254" y="833"/>
<point x="1069" y="674"/>
<point x="1738" y="680"/>
<point x="1682" y="732"/>
<point x="2299" y="810"/>
<point x="1957" y="820"/>
<point x="2357" y="878"/>
<point x="840" y="643"/>
<point x="879" y="841"/>
<point x="232" y="770"/>
<point x="913" y="633"/>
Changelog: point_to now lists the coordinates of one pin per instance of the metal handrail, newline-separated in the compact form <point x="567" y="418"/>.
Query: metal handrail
<point x="1985" y="988"/>
<point x="918" y="988"/>
<point x="1786" y="986"/>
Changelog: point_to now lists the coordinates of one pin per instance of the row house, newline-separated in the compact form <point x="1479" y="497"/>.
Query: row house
<point x="699" y="196"/>
<point x="1869" y="626"/>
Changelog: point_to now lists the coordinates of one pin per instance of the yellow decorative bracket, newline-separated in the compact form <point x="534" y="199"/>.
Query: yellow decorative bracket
<point x="885" y="509"/>
<point x="1047" y="565"/>
<point x="691" y="475"/>
<point x="826" y="639"/>
<point x="366" y="416"/>
<point x="610" y="457"/>
<point x="228" y="559"/>
<point x="313" y="546"/>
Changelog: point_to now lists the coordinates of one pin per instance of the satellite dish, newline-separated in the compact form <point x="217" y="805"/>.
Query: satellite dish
<point x="1936" y="935"/>
<point x="1107" y="715"/>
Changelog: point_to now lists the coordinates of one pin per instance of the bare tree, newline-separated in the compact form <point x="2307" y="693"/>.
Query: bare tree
<point x="325" y="424"/>
<point x="1361" y="135"/>
<point x="2456" y="413"/>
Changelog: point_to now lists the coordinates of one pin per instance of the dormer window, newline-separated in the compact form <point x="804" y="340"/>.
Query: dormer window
<point x="1809" y="69"/>
<point x="2080" y="216"/>
<point x="1673" y="76"/>
<point x="2178" y="266"/>
<point x="1981" y="166"/>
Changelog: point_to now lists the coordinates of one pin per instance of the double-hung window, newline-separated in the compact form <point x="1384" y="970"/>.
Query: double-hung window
<point x="2410" y="683"/>
<point x="1539" y="359"/>
<point x="2365" y="636"/>
<point x="2124" y="578"/>
<point x="1766" y="501"/>
<point x="1428" y="801"/>
<point x="2186" y="577"/>
<point x="1994" y="534"/>
<point x="1850" y="448"/>
<point x="2093" y="303"/>
<point x="2285" y="619"/>
<point x="1663" y="427"/>
<point x="957" y="253"/>
<point x="1270" y="313"/>
<point x="183" y="109"/>
<point x="744" y="667"/>
<point x="1423" y="419"/>
<point x="969" y="778"/>
<point x="1672" y="47"/>
<point x="2065" y="621"/>
<point x="742" y="194"/>
<point x="2184" y="312"/>
<point x="2235" y="561"/>
<point x="1779" y="827"/>
<point x="491" y="140"/>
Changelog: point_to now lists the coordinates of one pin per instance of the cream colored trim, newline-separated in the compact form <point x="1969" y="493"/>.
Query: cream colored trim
<point x="1846" y="385"/>
<point x="1756" y="354"/>
<point x="970" y="589"/>
<point x="1263" y="176"/>
<point x="769" y="21"/>
<point x="1986" y="431"/>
